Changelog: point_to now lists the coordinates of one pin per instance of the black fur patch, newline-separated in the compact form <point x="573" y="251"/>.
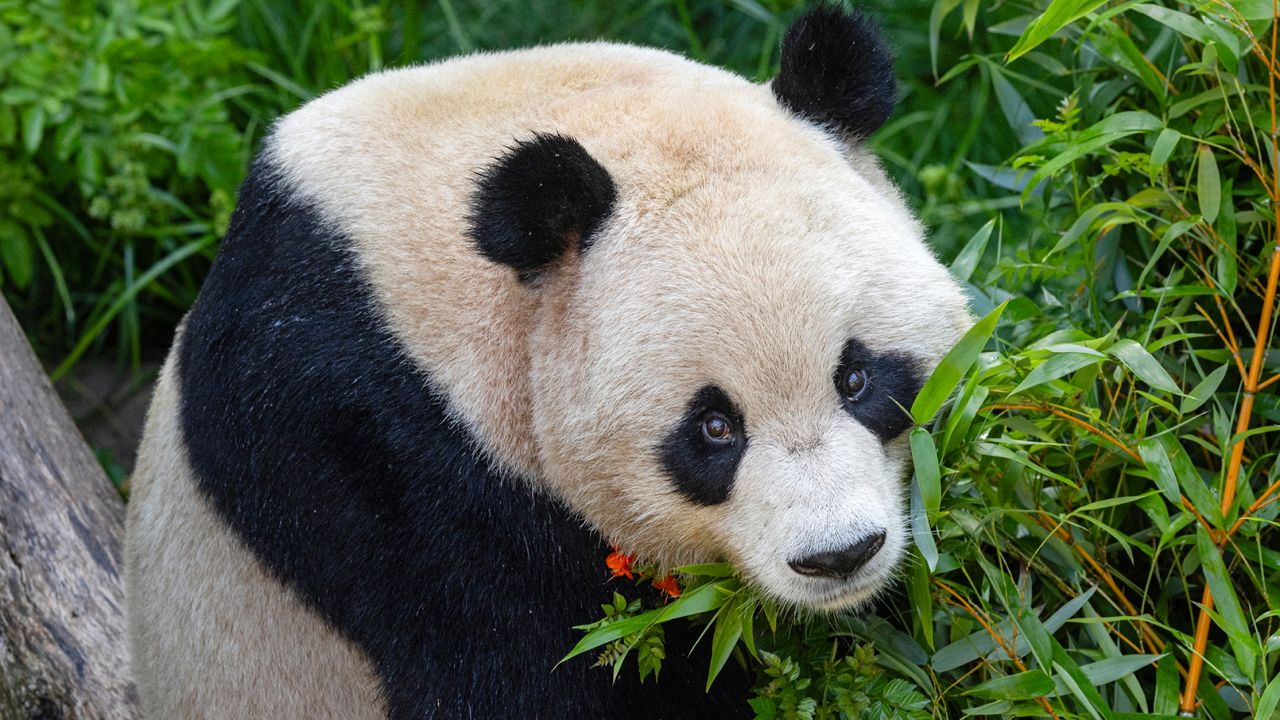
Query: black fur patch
<point x="837" y="71"/>
<point x="541" y="197"/>
<point x="324" y="447"/>
<point x="702" y="472"/>
<point x="892" y="384"/>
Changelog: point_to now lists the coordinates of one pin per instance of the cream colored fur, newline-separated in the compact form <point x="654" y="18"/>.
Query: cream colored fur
<point x="745" y="248"/>
<point x="213" y="636"/>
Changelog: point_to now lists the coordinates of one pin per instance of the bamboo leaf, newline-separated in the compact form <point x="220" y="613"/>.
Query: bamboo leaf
<point x="715" y="570"/>
<point x="1110" y="670"/>
<point x="1160" y="152"/>
<point x="1167" y="687"/>
<point x="1079" y="684"/>
<point x="1099" y="135"/>
<point x="613" y="631"/>
<point x="921" y="600"/>
<point x="1144" y="365"/>
<point x="1156" y="458"/>
<point x="1055" y="367"/>
<point x="1020" y="686"/>
<point x="1084" y="222"/>
<point x="1254" y="9"/>
<point x="953" y="367"/>
<point x="967" y="260"/>
<point x="1269" y="703"/>
<point x="1208" y="185"/>
<point x="1055" y="17"/>
<point x="921" y="532"/>
<point x="1203" y="391"/>
<point x="17" y="253"/>
<point x="1015" y="109"/>
<point x="925" y="457"/>
<point x="1228" y="605"/>
<point x="724" y="640"/>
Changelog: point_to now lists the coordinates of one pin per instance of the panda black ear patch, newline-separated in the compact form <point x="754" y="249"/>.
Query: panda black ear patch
<point x="837" y="71"/>
<point x="539" y="199"/>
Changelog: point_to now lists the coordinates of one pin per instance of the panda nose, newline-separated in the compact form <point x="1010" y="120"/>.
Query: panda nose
<point x="840" y="563"/>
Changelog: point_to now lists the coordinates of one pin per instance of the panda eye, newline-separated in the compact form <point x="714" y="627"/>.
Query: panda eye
<point x="717" y="429"/>
<point x="853" y="384"/>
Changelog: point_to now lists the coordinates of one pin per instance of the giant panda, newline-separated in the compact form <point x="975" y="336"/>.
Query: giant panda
<point x="475" y="321"/>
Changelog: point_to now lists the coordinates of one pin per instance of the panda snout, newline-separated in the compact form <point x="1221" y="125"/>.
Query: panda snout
<point x="840" y="564"/>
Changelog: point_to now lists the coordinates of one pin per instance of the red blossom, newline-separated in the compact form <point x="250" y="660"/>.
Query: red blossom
<point x="620" y="563"/>
<point x="668" y="585"/>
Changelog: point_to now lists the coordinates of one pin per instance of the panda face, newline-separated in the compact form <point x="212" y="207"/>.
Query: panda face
<point x="726" y="376"/>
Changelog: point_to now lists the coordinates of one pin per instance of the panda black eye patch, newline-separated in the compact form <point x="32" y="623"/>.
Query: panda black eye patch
<point x="702" y="451"/>
<point x="876" y="387"/>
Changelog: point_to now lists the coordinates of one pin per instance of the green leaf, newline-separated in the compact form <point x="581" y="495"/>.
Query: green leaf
<point x="8" y="126"/>
<point x="1144" y="365"/>
<point x="1058" y="15"/>
<point x="1055" y="367"/>
<point x="1099" y="135"/>
<point x="747" y="611"/>
<point x="613" y="631"/>
<point x="123" y="299"/>
<point x="1269" y="704"/>
<point x="967" y="260"/>
<point x="1228" y="605"/>
<point x="1115" y="44"/>
<point x="980" y="643"/>
<point x="1253" y="9"/>
<point x="1156" y="458"/>
<point x="1179" y="22"/>
<point x="1203" y="391"/>
<point x="939" y="12"/>
<point x="921" y="532"/>
<point x="704" y="598"/>
<point x="1019" y="686"/>
<point x="714" y="570"/>
<point x="32" y="127"/>
<point x="1160" y="152"/>
<point x="1084" y="222"/>
<point x="1078" y="683"/>
<point x="925" y="457"/>
<point x="953" y="367"/>
<point x="17" y="254"/>
<point x="1113" y="669"/>
<point x="921" y="599"/>
<point x="1016" y="111"/>
<point x="1168" y="685"/>
<point x="1035" y="634"/>
<point x="724" y="639"/>
<point x="1208" y="186"/>
<point x="1191" y="482"/>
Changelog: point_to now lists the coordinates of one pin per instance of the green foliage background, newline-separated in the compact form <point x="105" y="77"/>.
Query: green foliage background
<point x="1101" y="175"/>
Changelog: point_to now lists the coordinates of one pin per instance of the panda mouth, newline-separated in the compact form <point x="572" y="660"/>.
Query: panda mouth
<point x="845" y="594"/>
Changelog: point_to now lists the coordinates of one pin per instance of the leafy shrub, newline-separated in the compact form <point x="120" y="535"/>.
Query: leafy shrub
<point x="121" y="144"/>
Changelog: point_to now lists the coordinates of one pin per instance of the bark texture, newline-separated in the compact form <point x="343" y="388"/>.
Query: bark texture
<point x="63" y="648"/>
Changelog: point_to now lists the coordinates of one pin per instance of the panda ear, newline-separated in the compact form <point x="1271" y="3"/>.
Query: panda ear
<point x="837" y="71"/>
<point x="542" y="197"/>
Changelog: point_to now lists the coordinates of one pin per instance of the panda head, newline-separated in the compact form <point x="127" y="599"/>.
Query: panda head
<point x="735" y="309"/>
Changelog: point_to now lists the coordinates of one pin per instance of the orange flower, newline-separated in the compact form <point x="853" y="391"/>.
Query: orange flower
<point x="668" y="585"/>
<point x="620" y="563"/>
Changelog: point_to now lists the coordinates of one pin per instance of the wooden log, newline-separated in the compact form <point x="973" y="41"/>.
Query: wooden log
<point x="63" y="647"/>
